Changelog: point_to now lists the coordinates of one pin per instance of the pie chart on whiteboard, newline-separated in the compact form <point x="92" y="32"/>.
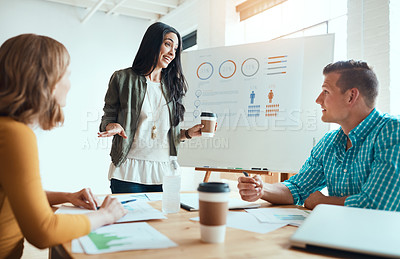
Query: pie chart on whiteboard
<point x="227" y="69"/>
<point x="250" y="67"/>
<point x="205" y="70"/>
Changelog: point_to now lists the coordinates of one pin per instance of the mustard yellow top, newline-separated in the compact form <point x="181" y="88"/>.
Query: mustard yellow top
<point x="24" y="209"/>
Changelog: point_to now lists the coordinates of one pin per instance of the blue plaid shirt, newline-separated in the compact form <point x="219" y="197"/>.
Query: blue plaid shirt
<point x="368" y="172"/>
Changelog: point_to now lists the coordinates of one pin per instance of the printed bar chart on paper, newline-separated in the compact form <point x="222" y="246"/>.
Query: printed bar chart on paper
<point x="105" y="241"/>
<point x="122" y="237"/>
<point x="272" y="215"/>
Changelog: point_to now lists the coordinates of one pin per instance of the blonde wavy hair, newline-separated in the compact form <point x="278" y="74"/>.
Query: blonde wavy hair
<point x="30" y="67"/>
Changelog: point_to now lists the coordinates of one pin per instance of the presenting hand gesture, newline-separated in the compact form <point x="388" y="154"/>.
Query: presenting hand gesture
<point x="111" y="130"/>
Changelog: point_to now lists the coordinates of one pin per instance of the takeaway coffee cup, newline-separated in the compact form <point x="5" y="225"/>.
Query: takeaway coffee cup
<point x="208" y="119"/>
<point x="213" y="208"/>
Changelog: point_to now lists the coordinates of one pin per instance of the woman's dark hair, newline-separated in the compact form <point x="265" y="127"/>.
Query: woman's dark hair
<point x="146" y="60"/>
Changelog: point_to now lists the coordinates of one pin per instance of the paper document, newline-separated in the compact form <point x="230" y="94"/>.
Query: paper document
<point x="190" y="201"/>
<point x="122" y="237"/>
<point x="76" y="247"/>
<point x="126" y="197"/>
<point x="141" y="211"/>
<point x="137" y="211"/>
<point x="247" y="222"/>
<point x="154" y="196"/>
<point x="278" y="215"/>
<point x="149" y="196"/>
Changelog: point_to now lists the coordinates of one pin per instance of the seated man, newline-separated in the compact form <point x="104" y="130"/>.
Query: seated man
<point x="359" y="163"/>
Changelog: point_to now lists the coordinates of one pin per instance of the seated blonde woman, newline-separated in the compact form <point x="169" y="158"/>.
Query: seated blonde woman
<point x="34" y="82"/>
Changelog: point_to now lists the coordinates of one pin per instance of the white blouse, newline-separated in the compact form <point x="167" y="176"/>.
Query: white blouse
<point x="148" y="158"/>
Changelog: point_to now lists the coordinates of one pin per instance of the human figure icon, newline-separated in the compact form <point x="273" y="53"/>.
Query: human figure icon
<point x="270" y="96"/>
<point x="252" y="97"/>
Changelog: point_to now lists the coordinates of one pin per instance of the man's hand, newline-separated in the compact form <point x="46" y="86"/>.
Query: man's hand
<point x="318" y="198"/>
<point x="250" y="188"/>
<point x="314" y="199"/>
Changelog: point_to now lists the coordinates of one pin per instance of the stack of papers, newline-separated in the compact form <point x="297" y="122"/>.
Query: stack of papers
<point x="274" y="215"/>
<point x="121" y="237"/>
<point x="264" y="220"/>
<point x="190" y="201"/>
<point x="247" y="222"/>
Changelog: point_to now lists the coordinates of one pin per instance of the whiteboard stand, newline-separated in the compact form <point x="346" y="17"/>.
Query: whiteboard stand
<point x="269" y="176"/>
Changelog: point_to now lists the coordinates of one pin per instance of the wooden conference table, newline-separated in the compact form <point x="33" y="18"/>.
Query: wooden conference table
<point x="238" y="243"/>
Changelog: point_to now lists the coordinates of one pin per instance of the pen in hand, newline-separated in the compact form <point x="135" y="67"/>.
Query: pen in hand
<point x="123" y="202"/>
<point x="247" y="175"/>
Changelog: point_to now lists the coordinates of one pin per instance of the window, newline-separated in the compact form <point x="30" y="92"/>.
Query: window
<point x="298" y="18"/>
<point x="189" y="41"/>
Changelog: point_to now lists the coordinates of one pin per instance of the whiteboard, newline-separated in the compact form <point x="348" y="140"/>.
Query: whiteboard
<point x="264" y="96"/>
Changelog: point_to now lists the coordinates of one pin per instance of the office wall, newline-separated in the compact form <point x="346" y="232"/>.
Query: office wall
<point x="371" y="36"/>
<point x="73" y="157"/>
<point x="216" y="22"/>
<point x="394" y="14"/>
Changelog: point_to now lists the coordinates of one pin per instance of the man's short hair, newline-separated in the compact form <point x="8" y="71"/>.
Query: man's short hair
<point x="356" y="74"/>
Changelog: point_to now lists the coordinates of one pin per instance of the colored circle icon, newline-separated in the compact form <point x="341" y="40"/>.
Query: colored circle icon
<point x="205" y="71"/>
<point x="197" y="103"/>
<point x="250" y="67"/>
<point x="227" y="69"/>
<point x="196" y="113"/>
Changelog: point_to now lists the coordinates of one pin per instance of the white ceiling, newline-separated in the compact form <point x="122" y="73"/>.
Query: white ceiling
<point x="151" y="10"/>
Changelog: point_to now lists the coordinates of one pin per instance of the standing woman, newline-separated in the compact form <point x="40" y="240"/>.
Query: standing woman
<point x="34" y="82"/>
<point x="143" y="109"/>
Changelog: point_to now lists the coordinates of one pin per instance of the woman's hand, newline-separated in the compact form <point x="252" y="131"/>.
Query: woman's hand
<point x="84" y="198"/>
<point x="111" y="130"/>
<point x="110" y="211"/>
<point x="195" y="131"/>
<point x="113" y="209"/>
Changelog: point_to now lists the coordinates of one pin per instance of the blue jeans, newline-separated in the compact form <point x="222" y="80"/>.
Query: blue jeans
<point x="118" y="186"/>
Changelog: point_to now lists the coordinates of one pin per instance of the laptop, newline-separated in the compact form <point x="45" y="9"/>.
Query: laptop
<point x="372" y="232"/>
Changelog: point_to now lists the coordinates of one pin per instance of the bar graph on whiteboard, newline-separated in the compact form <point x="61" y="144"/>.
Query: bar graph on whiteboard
<point x="277" y="65"/>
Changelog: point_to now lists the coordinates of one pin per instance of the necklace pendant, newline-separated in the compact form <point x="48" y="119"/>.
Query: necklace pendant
<point x="153" y="132"/>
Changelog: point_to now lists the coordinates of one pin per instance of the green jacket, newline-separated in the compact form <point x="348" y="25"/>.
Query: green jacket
<point x="123" y="103"/>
